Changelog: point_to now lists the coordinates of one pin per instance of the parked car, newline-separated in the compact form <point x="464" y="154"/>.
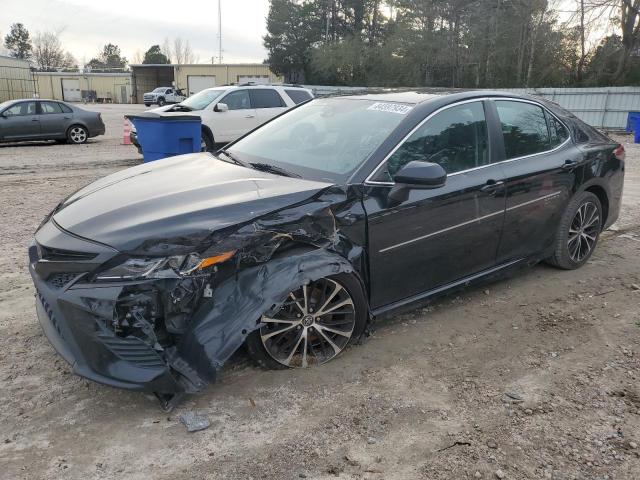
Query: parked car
<point x="47" y="120"/>
<point x="162" y="95"/>
<point x="229" y="112"/>
<point x="293" y="237"/>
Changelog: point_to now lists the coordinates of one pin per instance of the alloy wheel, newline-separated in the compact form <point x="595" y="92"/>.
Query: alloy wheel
<point x="583" y="232"/>
<point x="313" y="325"/>
<point x="78" y="135"/>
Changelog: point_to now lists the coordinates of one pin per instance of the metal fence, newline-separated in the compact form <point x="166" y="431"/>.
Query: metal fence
<point x="16" y="82"/>
<point x="604" y="107"/>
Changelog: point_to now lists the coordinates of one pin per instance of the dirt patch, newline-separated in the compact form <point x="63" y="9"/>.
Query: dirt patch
<point x="536" y="376"/>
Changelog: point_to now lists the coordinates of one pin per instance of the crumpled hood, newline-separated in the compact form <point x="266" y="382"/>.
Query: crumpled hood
<point x="176" y="202"/>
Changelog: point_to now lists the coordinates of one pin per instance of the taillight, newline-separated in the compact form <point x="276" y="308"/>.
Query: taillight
<point x="619" y="152"/>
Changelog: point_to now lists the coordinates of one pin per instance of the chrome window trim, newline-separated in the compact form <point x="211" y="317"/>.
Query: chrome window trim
<point x="368" y="180"/>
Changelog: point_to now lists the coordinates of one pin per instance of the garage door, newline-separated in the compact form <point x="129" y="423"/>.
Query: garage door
<point x="71" y="90"/>
<point x="257" y="79"/>
<point x="196" y="83"/>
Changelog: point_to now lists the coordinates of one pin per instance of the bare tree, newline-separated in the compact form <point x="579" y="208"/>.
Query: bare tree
<point x="182" y="52"/>
<point x="47" y="51"/>
<point x="138" y="57"/>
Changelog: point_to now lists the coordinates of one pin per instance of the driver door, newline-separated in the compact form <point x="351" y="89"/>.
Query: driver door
<point x="20" y="122"/>
<point x="238" y="120"/>
<point x="436" y="236"/>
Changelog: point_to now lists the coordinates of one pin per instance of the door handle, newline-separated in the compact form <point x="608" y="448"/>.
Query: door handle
<point x="569" y="165"/>
<point x="35" y="120"/>
<point x="492" y="186"/>
<point x="249" y="116"/>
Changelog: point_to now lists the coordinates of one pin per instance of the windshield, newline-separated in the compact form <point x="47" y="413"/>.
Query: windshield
<point x="325" y="139"/>
<point x="159" y="90"/>
<point x="201" y="99"/>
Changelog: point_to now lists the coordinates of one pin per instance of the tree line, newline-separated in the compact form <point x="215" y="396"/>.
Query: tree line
<point x="46" y="53"/>
<point x="455" y="43"/>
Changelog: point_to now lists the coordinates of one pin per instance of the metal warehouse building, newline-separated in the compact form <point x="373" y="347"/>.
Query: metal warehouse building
<point x="195" y="77"/>
<point x="16" y="80"/>
<point x="77" y="87"/>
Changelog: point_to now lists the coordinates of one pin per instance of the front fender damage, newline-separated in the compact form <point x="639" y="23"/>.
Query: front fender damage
<point x="234" y="311"/>
<point x="206" y="319"/>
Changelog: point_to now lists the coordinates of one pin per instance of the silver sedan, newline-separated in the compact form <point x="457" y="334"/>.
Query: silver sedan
<point x="22" y="120"/>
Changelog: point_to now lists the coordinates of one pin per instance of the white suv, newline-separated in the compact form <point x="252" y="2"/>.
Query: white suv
<point x="229" y="112"/>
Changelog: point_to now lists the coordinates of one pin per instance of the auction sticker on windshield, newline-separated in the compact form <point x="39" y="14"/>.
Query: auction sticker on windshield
<point x="390" y="107"/>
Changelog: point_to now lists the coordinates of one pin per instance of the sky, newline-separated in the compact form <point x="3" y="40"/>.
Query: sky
<point x="135" y="25"/>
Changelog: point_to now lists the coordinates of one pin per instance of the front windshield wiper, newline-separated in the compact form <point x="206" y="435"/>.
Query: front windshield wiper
<point x="266" y="167"/>
<point x="233" y="158"/>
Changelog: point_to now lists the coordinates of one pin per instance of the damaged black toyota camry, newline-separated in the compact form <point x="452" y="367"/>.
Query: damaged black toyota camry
<point x="293" y="238"/>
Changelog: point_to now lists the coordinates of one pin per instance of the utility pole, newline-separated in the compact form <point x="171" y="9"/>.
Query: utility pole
<point x="220" y="31"/>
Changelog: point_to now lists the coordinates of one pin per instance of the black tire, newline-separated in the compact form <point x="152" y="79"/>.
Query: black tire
<point x="161" y="102"/>
<point x="147" y="104"/>
<point x="77" y="134"/>
<point x="206" y="142"/>
<point x="259" y="353"/>
<point x="577" y="237"/>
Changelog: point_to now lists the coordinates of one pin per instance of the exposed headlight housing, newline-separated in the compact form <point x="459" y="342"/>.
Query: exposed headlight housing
<point x="141" y="268"/>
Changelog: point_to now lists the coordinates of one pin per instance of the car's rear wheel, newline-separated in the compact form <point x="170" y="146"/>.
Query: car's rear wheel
<point x="578" y="232"/>
<point x="313" y="326"/>
<point x="77" y="134"/>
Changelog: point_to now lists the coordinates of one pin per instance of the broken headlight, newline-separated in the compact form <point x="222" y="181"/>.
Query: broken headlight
<point x="161" y="267"/>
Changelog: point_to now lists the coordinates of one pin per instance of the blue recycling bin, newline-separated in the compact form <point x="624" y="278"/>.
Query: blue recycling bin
<point x="166" y="136"/>
<point x="633" y="124"/>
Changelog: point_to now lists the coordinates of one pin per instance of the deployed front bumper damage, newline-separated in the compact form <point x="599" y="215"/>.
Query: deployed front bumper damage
<point x="170" y="336"/>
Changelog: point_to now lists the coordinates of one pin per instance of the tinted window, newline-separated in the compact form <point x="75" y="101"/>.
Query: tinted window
<point x="50" y="107"/>
<point x="298" y="96"/>
<point x="325" y="139"/>
<point x="23" y="108"/>
<point x="263" y="98"/>
<point x="65" y="108"/>
<point x="557" y="131"/>
<point x="238" y="100"/>
<point x="524" y="128"/>
<point x="455" y="138"/>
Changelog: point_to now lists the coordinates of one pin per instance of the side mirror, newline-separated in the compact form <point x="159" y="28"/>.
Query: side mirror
<point x="415" y="175"/>
<point x="221" y="107"/>
<point x="418" y="174"/>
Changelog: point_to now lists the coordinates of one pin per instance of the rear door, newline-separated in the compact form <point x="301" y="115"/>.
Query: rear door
<point x="267" y="102"/>
<point x="238" y="120"/>
<point x="542" y="166"/>
<point x="20" y="122"/>
<point x="53" y="121"/>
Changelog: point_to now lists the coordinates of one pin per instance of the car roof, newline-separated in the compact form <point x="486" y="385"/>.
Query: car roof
<point x="415" y="97"/>
<point x="231" y="87"/>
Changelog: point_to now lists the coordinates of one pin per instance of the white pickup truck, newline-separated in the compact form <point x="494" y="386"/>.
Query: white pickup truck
<point x="162" y="96"/>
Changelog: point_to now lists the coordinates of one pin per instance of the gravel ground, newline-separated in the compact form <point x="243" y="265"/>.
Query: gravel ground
<point x="532" y="377"/>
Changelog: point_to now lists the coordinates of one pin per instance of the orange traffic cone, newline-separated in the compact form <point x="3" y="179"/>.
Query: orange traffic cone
<point x="126" y="139"/>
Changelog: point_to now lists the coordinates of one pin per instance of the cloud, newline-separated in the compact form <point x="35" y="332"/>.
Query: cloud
<point x="86" y="25"/>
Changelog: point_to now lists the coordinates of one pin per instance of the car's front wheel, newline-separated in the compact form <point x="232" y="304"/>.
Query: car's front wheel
<point x="77" y="134"/>
<point x="147" y="104"/>
<point x="206" y="142"/>
<point x="313" y="326"/>
<point x="578" y="232"/>
<point x="161" y="102"/>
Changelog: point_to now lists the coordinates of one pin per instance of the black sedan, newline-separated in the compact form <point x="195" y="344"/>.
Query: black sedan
<point x="22" y="120"/>
<point x="294" y="237"/>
